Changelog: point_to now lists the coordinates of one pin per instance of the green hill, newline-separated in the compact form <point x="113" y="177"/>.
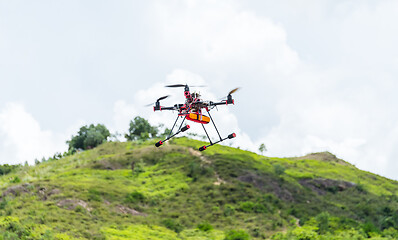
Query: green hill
<point x="133" y="190"/>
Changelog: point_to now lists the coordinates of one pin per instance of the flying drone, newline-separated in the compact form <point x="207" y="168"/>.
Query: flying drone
<point x="193" y="110"/>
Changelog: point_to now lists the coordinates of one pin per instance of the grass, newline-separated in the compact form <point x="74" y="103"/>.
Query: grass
<point x="175" y="188"/>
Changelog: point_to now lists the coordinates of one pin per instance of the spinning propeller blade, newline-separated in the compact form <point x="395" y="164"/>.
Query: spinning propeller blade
<point x="176" y="85"/>
<point x="232" y="91"/>
<point x="164" y="97"/>
<point x="161" y="98"/>
<point x="183" y="85"/>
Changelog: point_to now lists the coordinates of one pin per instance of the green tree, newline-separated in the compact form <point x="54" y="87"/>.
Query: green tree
<point x="262" y="148"/>
<point x="140" y="129"/>
<point x="89" y="137"/>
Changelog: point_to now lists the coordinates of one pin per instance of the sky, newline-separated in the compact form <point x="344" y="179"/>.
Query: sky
<point x="313" y="75"/>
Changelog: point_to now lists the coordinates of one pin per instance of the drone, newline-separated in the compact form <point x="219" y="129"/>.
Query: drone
<point x="194" y="110"/>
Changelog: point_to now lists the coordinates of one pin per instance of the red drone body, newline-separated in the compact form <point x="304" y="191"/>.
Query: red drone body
<point x="193" y="110"/>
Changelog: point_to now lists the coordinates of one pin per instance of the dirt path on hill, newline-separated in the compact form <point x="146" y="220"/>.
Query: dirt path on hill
<point x="205" y="160"/>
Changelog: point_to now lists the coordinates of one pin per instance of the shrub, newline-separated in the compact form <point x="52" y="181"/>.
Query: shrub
<point x="194" y="170"/>
<point x="172" y="225"/>
<point x="305" y="233"/>
<point x="3" y="203"/>
<point x="237" y="235"/>
<point x="135" y="197"/>
<point x="260" y="208"/>
<point x="323" y="222"/>
<point x="94" y="195"/>
<point x="80" y="209"/>
<point x="369" y="228"/>
<point x="279" y="169"/>
<point x="205" y="227"/>
<point x="229" y="210"/>
<point x="391" y="232"/>
<point x="246" y="206"/>
<point x="360" y="187"/>
<point x="16" y="180"/>
<point x="6" y="169"/>
<point x="14" y="230"/>
<point x="387" y="222"/>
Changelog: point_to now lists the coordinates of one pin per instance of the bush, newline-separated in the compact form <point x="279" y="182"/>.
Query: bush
<point x="94" y="195"/>
<point x="172" y="225"/>
<point x="16" y="180"/>
<point x="260" y="208"/>
<point x="369" y="228"/>
<point x="237" y="235"/>
<point x="391" y="232"/>
<point x="6" y="169"/>
<point x="14" y="230"/>
<point x="205" y="227"/>
<point x="387" y="222"/>
<point x="194" y="170"/>
<point x="279" y="169"/>
<point x="305" y="233"/>
<point x="247" y="207"/>
<point x="229" y="210"/>
<point x="360" y="187"/>
<point x="250" y="207"/>
<point x="3" y="203"/>
<point x="135" y="197"/>
<point x="323" y="222"/>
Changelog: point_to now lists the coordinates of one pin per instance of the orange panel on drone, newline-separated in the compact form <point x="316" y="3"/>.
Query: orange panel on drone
<point x="199" y="118"/>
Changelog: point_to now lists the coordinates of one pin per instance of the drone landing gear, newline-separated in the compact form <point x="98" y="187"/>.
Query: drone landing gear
<point x="230" y="136"/>
<point x="180" y="129"/>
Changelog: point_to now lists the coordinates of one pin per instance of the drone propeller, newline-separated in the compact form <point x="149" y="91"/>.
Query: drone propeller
<point x="230" y="92"/>
<point x="183" y="85"/>
<point x="233" y="90"/>
<point x="176" y="85"/>
<point x="161" y="98"/>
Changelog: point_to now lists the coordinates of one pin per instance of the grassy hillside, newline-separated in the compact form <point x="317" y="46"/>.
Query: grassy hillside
<point x="136" y="191"/>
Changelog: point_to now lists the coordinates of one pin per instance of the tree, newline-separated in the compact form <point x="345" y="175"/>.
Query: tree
<point x="262" y="148"/>
<point x="140" y="129"/>
<point x="89" y="137"/>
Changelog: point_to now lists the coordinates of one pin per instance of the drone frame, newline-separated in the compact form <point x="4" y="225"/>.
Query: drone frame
<point x="186" y="109"/>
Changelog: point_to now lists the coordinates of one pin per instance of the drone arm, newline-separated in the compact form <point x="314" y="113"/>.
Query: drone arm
<point x="160" y="108"/>
<point x="225" y="102"/>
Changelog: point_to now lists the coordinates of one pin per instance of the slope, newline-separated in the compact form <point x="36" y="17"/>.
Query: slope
<point x="132" y="190"/>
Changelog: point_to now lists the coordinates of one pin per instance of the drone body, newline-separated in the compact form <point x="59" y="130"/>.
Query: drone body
<point x="193" y="110"/>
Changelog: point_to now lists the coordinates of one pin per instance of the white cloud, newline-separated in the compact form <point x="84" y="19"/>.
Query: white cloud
<point x="315" y="76"/>
<point x="22" y="137"/>
<point x="291" y="105"/>
<point x="123" y="113"/>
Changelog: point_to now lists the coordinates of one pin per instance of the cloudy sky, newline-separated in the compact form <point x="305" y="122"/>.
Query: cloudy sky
<point x="314" y="75"/>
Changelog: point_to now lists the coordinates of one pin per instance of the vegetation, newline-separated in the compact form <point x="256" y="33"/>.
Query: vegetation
<point x="132" y="190"/>
<point x="262" y="148"/>
<point x="140" y="129"/>
<point x="6" y="169"/>
<point x="89" y="137"/>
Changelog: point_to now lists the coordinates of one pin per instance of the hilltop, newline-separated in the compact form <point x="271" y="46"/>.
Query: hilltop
<point x="132" y="190"/>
